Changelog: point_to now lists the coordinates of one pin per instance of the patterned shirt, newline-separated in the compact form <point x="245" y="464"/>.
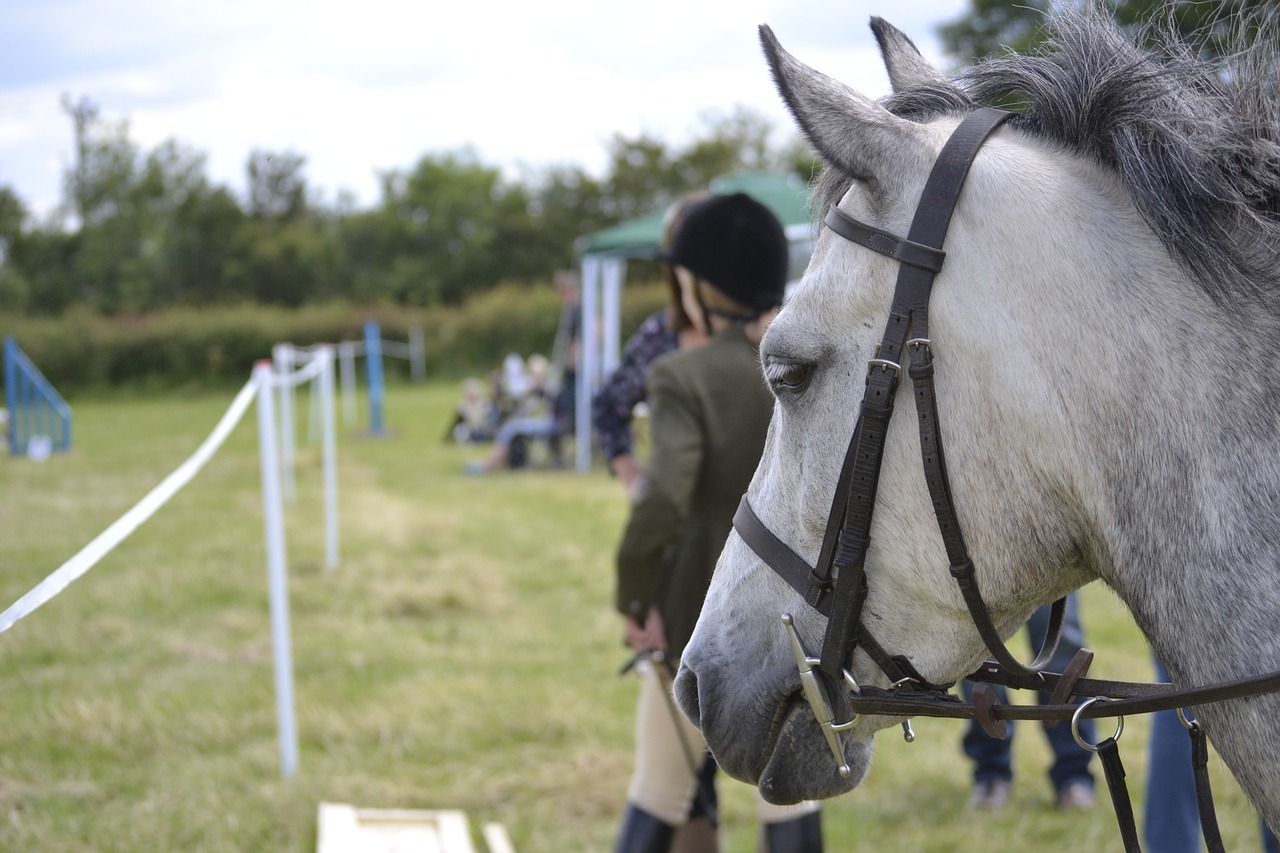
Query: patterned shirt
<point x="611" y="410"/>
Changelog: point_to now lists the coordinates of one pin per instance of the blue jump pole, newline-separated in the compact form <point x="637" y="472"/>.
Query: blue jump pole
<point x="373" y="362"/>
<point x="11" y="392"/>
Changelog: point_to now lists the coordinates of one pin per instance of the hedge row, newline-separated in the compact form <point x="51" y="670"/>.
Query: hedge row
<point x="219" y="345"/>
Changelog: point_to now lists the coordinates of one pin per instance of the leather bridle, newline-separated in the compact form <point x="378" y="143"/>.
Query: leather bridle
<point x="837" y="585"/>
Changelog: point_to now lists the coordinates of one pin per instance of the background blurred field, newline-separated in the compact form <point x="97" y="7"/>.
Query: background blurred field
<point x="464" y="655"/>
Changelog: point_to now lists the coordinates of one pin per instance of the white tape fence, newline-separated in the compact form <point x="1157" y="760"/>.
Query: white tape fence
<point x="316" y="367"/>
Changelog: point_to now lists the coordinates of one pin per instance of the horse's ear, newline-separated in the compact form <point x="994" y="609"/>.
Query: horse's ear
<point x="907" y="68"/>
<point x="848" y="129"/>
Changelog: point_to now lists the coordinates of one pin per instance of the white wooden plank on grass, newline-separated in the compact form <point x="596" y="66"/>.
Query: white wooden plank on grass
<point x="496" y="838"/>
<point x="346" y="829"/>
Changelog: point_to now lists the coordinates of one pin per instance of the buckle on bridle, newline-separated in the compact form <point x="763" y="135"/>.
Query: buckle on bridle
<point x="817" y="697"/>
<point x="883" y="364"/>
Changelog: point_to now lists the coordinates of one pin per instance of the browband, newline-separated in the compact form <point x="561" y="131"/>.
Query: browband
<point x="899" y="248"/>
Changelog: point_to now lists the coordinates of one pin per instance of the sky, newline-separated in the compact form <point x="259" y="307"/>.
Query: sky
<point x="366" y="86"/>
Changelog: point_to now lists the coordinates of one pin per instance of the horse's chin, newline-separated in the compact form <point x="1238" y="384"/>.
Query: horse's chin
<point x="801" y="766"/>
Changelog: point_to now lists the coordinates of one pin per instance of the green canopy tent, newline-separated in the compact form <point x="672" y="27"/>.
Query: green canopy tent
<point x="636" y="238"/>
<point x="604" y="257"/>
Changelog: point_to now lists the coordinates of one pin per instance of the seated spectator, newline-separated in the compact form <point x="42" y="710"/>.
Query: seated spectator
<point x="476" y="418"/>
<point x="535" y="416"/>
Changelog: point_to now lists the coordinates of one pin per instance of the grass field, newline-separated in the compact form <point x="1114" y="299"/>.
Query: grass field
<point x="464" y="655"/>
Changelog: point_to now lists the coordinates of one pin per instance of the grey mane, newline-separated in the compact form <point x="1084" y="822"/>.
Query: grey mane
<point x="1197" y="143"/>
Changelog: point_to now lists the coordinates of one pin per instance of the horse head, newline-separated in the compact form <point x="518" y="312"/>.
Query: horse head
<point x="1058" y="284"/>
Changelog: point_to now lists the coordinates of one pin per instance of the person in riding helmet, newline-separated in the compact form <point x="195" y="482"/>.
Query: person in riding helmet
<point x="710" y="413"/>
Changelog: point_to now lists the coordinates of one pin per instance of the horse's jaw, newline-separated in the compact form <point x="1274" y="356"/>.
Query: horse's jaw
<point x="762" y="731"/>
<point x="800" y="766"/>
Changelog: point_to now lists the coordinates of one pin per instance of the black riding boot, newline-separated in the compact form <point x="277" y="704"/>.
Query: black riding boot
<point x="800" y="835"/>
<point x="643" y="833"/>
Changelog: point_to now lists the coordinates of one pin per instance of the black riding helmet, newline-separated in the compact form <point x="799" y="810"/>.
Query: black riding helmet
<point x="737" y="245"/>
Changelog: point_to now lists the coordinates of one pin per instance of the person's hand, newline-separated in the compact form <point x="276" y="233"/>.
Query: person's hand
<point x="628" y="471"/>
<point x="649" y="637"/>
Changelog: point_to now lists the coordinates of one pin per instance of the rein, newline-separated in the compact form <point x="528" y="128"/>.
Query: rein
<point x="837" y="585"/>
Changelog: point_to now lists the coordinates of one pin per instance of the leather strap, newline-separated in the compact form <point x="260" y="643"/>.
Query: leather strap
<point x="792" y="568"/>
<point x="851" y="534"/>
<point x="1139" y="698"/>
<point x="1071" y="675"/>
<point x="1113" y="769"/>
<point x="848" y="531"/>
<point x="1204" y="794"/>
<point x="789" y="565"/>
<point x="935" y="472"/>
<point x="904" y="251"/>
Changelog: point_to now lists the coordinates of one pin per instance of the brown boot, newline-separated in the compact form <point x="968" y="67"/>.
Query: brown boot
<point x="798" y="835"/>
<point x="696" y="835"/>
<point x="643" y="833"/>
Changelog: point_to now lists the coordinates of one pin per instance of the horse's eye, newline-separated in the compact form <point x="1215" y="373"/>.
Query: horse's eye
<point x="789" y="376"/>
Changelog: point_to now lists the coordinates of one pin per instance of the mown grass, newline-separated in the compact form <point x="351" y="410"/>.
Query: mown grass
<point x="464" y="655"/>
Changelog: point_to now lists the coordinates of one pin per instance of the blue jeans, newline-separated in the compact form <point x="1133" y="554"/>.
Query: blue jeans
<point x="1171" y="823"/>
<point x="993" y="758"/>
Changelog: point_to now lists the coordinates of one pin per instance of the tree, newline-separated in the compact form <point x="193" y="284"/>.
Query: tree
<point x="277" y="188"/>
<point x="289" y="264"/>
<point x="202" y="243"/>
<point x="564" y="203"/>
<point x="646" y="175"/>
<point x="438" y="234"/>
<point x="994" y="26"/>
<point x="14" y="287"/>
<point x="642" y="177"/>
<point x="84" y="113"/>
<point x="150" y="230"/>
<point x="108" y="250"/>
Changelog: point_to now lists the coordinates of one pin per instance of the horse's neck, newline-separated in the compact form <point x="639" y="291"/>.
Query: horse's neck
<point x="1191" y="528"/>
<point x="1189" y="536"/>
<point x="1185" y="509"/>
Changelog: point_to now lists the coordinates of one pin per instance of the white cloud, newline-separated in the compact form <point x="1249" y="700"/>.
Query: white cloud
<point x="365" y="87"/>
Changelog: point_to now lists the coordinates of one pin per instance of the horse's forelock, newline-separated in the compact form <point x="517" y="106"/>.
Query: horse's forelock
<point x="1196" y="142"/>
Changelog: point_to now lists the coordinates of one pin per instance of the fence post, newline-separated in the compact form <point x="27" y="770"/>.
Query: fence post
<point x="417" y="355"/>
<point x="373" y="363"/>
<point x="282" y="358"/>
<point x="589" y="362"/>
<point x="328" y="442"/>
<point x="11" y="392"/>
<point x="347" y="372"/>
<point x="277" y="572"/>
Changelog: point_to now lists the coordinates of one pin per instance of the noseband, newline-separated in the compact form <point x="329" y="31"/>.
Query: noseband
<point x="837" y="585"/>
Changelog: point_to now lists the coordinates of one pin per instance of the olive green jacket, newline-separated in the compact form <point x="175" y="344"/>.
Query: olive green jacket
<point x="710" y="411"/>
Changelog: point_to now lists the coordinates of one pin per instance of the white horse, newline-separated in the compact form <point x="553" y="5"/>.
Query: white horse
<point x="1106" y="328"/>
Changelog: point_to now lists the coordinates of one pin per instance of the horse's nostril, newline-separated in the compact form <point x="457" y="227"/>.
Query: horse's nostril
<point x="685" y="688"/>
